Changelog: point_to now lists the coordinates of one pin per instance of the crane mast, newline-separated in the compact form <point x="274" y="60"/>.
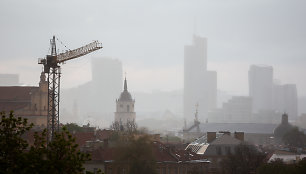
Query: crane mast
<point x="52" y="67"/>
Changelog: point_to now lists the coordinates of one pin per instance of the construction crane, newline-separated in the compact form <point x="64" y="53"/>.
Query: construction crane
<point x="52" y="67"/>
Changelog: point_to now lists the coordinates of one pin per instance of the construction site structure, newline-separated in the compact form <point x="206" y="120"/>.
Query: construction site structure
<point x="52" y="67"/>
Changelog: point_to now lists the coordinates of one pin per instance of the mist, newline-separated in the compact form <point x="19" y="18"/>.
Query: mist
<point x="145" y="42"/>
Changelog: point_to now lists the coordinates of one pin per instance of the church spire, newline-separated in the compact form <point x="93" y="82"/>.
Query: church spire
<point x="125" y="84"/>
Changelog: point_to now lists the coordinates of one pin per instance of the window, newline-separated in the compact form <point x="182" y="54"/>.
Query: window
<point x="228" y="150"/>
<point x="181" y="170"/>
<point x="175" y="170"/>
<point x="164" y="170"/>
<point x="158" y="170"/>
<point x="121" y="105"/>
<point x="218" y="150"/>
<point x="110" y="171"/>
<point x="128" y="108"/>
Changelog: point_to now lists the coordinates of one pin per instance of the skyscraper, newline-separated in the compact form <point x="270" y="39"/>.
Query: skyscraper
<point x="200" y="85"/>
<point x="260" y="87"/>
<point x="96" y="97"/>
<point x="269" y="96"/>
<point x="285" y="100"/>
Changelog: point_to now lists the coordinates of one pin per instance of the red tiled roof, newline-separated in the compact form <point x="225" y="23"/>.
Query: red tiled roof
<point x="104" y="134"/>
<point x="162" y="153"/>
<point x="82" y="137"/>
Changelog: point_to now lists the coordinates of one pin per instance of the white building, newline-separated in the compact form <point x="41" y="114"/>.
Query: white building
<point x="125" y="107"/>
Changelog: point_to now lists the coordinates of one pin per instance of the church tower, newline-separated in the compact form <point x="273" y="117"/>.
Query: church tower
<point x="125" y="107"/>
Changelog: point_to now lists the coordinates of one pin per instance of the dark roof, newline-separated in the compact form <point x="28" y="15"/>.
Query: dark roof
<point x="82" y="137"/>
<point x="238" y="127"/>
<point x="162" y="153"/>
<point x="226" y="139"/>
<point x="125" y="96"/>
<point x="15" y="97"/>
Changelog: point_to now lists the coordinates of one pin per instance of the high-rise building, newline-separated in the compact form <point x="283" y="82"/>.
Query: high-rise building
<point x="269" y="97"/>
<point x="285" y="100"/>
<point x="236" y="110"/>
<point x="125" y="107"/>
<point x="200" y="85"/>
<point x="96" y="97"/>
<point x="260" y="87"/>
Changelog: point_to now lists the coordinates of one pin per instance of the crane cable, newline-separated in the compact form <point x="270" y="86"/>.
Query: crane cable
<point x="62" y="44"/>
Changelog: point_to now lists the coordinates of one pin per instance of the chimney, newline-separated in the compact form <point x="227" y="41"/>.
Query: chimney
<point x="285" y="118"/>
<point x="211" y="136"/>
<point x="239" y="136"/>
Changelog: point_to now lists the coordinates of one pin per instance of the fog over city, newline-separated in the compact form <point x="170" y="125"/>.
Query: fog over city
<point x="145" y="41"/>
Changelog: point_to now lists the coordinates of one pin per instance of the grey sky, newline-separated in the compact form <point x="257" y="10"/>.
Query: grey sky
<point x="149" y="36"/>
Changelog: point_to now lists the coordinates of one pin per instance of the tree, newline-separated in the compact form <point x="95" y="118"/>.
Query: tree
<point x="71" y="127"/>
<point x="245" y="159"/>
<point x="295" y="138"/>
<point x="60" y="156"/>
<point x="279" y="167"/>
<point x="12" y="145"/>
<point x="130" y="127"/>
<point x="138" y="155"/>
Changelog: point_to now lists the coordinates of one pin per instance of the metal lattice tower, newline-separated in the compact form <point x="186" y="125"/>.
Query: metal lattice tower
<point x="52" y="68"/>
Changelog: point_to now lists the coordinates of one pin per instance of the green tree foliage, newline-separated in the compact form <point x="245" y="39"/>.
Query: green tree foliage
<point x="137" y="153"/>
<point x="295" y="138"/>
<point x="12" y="145"/>
<point x="245" y="159"/>
<point x="279" y="167"/>
<point x="61" y="156"/>
<point x="71" y="127"/>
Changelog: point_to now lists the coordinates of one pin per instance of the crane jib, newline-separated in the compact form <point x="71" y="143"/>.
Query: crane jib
<point x="71" y="54"/>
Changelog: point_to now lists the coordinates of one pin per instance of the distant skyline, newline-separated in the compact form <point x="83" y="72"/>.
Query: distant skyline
<point x="149" y="38"/>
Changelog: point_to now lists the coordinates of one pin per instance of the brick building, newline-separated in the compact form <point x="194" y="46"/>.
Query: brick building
<point x="29" y="102"/>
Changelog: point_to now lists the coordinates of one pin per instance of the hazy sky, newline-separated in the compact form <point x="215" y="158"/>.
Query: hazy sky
<point x="148" y="36"/>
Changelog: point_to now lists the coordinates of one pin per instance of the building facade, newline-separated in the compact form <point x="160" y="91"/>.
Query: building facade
<point x="27" y="101"/>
